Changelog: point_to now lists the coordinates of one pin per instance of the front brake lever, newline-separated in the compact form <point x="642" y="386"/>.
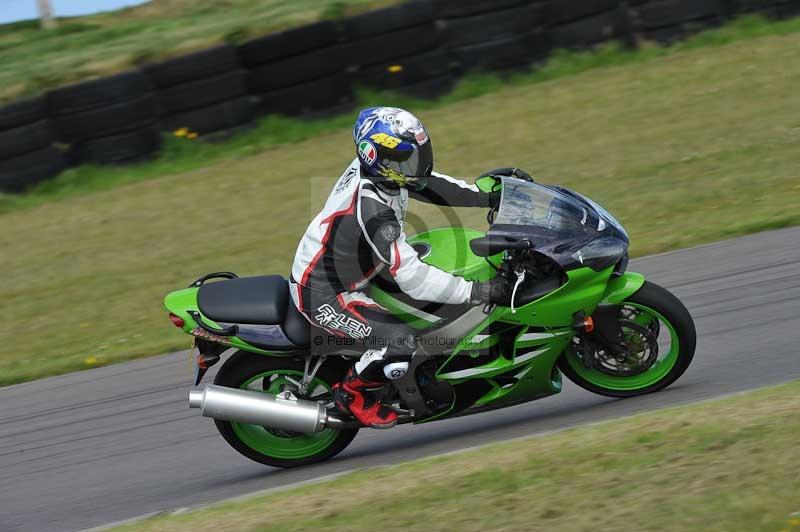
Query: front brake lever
<point x="520" y="277"/>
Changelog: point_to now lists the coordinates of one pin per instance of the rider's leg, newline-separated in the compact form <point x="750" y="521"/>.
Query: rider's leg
<point x="390" y="343"/>
<point x="393" y="347"/>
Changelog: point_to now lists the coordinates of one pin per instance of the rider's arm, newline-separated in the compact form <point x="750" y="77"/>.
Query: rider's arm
<point x="448" y="191"/>
<point x="418" y="280"/>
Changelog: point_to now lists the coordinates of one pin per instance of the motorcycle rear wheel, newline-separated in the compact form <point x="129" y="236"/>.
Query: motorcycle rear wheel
<point x="651" y="307"/>
<point x="274" y="447"/>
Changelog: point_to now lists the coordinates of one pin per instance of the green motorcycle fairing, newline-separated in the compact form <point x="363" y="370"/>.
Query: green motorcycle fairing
<point x="511" y="356"/>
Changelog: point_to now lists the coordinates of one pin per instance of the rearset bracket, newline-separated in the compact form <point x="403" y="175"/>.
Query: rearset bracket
<point x="408" y="387"/>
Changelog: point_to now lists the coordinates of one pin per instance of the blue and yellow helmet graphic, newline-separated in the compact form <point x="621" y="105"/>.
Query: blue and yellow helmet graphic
<point x="393" y="146"/>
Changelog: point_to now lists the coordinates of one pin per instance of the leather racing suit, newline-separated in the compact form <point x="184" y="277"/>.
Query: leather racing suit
<point x="358" y="233"/>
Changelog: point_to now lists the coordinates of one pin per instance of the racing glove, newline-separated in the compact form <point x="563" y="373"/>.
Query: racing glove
<point x="511" y="172"/>
<point x="495" y="291"/>
<point x="494" y="197"/>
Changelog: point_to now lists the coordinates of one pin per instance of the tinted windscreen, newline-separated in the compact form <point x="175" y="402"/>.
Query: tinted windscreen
<point x="564" y="226"/>
<point x="525" y="203"/>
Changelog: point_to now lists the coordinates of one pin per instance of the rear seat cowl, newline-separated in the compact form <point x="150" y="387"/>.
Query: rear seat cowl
<point x="260" y="300"/>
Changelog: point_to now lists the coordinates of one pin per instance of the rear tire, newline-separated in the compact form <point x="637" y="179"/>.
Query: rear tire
<point x="679" y="324"/>
<point x="276" y="448"/>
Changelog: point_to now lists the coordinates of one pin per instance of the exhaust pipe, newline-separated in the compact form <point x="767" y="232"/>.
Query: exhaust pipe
<point x="283" y="412"/>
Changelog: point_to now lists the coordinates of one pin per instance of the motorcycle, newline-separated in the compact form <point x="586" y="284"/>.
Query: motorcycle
<point x="575" y="311"/>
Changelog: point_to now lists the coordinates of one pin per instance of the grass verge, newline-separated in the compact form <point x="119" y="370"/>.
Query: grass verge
<point x="688" y="147"/>
<point x="181" y="154"/>
<point x="726" y="465"/>
<point x="35" y="60"/>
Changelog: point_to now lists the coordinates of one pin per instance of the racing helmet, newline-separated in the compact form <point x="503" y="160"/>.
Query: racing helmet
<point x="393" y="147"/>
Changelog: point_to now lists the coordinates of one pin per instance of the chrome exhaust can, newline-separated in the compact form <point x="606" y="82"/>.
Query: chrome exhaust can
<point x="284" y="411"/>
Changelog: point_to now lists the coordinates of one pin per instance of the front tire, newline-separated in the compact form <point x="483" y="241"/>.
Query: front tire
<point x="654" y="309"/>
<point x="271" y="447"/>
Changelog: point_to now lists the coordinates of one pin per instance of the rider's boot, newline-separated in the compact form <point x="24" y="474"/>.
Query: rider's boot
<point x="352" y="396"/>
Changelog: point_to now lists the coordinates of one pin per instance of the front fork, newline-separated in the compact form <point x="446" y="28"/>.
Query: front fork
<point x="606" y="332"/>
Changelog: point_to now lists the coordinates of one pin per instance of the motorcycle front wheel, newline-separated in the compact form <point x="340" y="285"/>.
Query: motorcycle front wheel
<point x="660" y="337"/>
<point x="272" y="375"/>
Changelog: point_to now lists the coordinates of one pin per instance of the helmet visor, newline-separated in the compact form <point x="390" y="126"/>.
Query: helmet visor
<point x="414" y="170"/>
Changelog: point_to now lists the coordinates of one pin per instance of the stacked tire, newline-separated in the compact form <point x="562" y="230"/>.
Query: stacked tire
<point x="110" y="120"/>
<point x="27" y="154"/>
<point x="580" y="24"/>
<point x="299" y="71"/>
<point x="203" y="92"/>
<point x="500" y="35"/>
<point x="667" y="21"/>
<point x="397" y="49"/>
<point x="773" y="8"/>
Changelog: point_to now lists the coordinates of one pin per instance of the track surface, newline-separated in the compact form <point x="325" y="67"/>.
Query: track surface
<point x="99" y="446"/>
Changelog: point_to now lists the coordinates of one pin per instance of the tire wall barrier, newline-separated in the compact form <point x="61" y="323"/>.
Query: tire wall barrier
<point x="109" y="120"/>
<point x="27" y="152"/>
<point x="201" y="93"/>
<point x="417" y="48"/>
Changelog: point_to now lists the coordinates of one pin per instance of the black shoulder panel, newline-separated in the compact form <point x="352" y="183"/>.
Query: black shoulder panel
<point x="380" y="226"/>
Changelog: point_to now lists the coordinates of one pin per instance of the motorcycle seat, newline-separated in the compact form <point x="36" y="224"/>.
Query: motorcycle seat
<point x="296" y="327"/>
<point x="262" y="300"/>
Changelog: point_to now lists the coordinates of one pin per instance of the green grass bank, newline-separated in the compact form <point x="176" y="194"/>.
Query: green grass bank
<point x="106" y="43"/>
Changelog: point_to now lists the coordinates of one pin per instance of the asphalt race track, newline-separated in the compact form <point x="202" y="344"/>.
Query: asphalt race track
<point x="89" y="448"/>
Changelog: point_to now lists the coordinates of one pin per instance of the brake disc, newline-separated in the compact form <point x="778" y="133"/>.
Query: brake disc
<point x="641" y="352"/>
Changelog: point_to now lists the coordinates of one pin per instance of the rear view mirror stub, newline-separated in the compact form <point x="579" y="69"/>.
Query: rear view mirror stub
<point x="493" y="244"/>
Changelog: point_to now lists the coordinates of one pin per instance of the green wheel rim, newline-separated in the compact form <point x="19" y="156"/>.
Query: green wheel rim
<point x="636" y="382"/>
<point x="278" y="446"/>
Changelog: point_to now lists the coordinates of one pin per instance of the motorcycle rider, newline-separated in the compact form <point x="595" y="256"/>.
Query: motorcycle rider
<point x="359" y="232"/>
